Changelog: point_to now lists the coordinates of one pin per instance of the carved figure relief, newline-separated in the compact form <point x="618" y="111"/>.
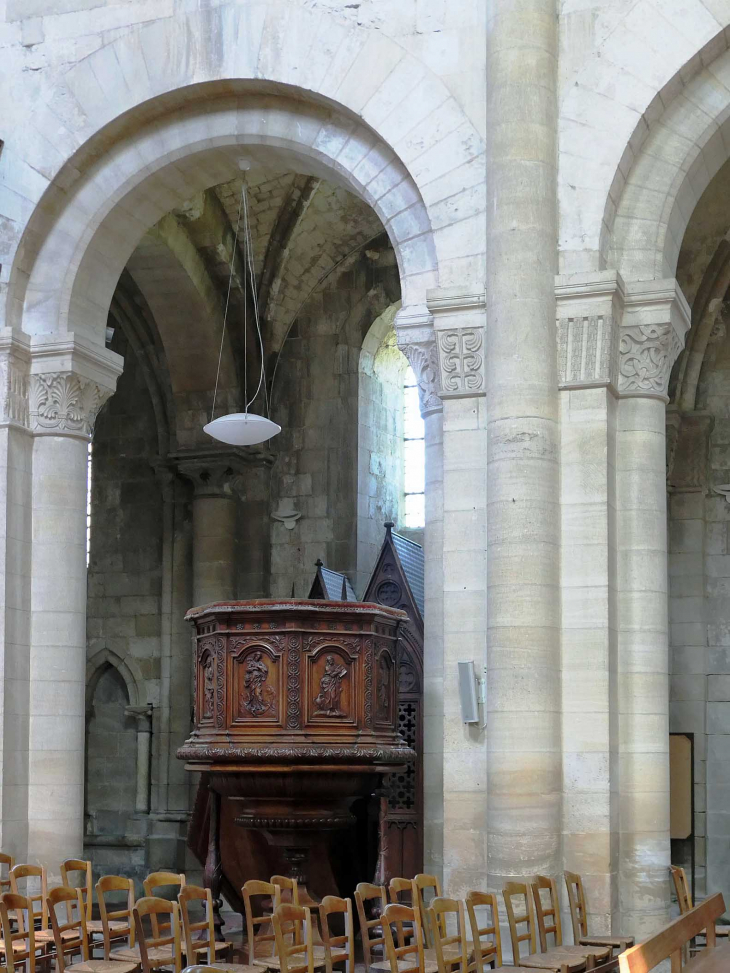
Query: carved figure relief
<point x="258" y="698"/>
<point x="328" y="700"/>
<point x="208" y="688"/>
<point x="384" y="689"/>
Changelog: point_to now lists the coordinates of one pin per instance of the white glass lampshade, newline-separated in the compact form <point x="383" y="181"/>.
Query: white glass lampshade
<point x="242" y="429"/>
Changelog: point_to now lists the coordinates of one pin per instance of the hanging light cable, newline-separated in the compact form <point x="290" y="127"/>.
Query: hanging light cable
<point x="243" y="428"/>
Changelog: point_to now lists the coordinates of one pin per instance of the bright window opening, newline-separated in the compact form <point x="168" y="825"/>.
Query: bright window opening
<point x="88" y="506"/>
<point x="414" y="454"/>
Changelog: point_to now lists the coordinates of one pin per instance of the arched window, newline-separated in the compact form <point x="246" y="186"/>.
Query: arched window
<point x="414" y="455"/>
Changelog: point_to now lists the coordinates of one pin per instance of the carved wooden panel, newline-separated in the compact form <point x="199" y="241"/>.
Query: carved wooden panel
<point x="256" y="681"/>
<point x="385" y="693"/>
<point x="331" y="686"/>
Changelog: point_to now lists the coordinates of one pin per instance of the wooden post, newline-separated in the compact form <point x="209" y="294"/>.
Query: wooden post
<point x="213" y="875"/>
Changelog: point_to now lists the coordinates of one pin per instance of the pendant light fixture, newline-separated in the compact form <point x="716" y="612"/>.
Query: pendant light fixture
<point x="243" y="428"/>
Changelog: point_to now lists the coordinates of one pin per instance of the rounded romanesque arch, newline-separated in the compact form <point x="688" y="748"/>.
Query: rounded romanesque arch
<point x="133" y="138"/>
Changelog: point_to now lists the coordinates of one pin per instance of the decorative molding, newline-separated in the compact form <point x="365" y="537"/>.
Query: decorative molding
<point x="459" y="321"/>
<point x="217" y="471"/>
<point x="65" y="404"/>
<point x="588" y="311"/>
<point x="14" y="365"/>
<point x="200" y="751"/>
<point x="417" y="341"/>
<point x="655" y="323"/>
<point x="462" y="362"/>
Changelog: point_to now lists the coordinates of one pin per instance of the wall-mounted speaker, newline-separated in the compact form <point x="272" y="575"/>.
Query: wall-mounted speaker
<point x="468" y="693"/>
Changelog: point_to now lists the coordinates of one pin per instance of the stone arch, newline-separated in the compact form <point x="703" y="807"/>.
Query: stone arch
<point x="132" y="138"/>
<point x="127" y="669"/>
<point x="678" y="146"/>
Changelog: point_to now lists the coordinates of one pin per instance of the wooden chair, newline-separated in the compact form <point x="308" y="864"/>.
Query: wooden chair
<point x="261" y="943"/>
<point x="117" y="924"/>
<point x="205" y="940"/>
<point x="451" y="949"/>
<point x="39" y="910"/>
<point x="9" y="861"/>
<point x="70" y="937"/>
<point x="670" y="942"/>
<point x="152" y="885"/>
<point x="487" y="939"/>
<point x="578" y="918"/>
<point x="553" y="959"/>
<point x="295" y="922"/>
<point x="370" y="900"/>
<point x="549" y="923"/>
<point x="162" y="947"/>
<point x="406" y="957"/>
<point x="404" y="891"/>
<point x="286" y="885"/>
<point x="684" y="896"/>
<point x="427" y="884"/>
<point x="19" y="943"/>
<point x="337" y="949"/>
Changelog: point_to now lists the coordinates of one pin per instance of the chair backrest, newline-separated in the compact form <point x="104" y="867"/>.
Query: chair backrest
<point x="577" y="903"/>
<point x="294" y="921"/>
<point x="81" y="871"/>
<point x="152" y="885"/>
<point x="201" y="930"/>
<point x="286" y="885"/>
<point x="19" y="873"/>
<point x="24" y="930"/>
<point x="438" y="912"/>
<point x="370" y="900"/>
<point x="547" y="910"/>
<point x="252" y="892"/>
<point x="404" y="957"/>
<point x="332" y="905"/>
<point x="162" y="934"/>
<point x="520" y="918"/>
<point x="69" y="936"/>
<point x="8" y="861"/>
<point x="487" y="939"/>
<point x="404" y="891"/>
<point x="115" y="883"/>
<point x="428" y="888"/>
<point x="670" y="941"/>
<point x="681" y="887"/>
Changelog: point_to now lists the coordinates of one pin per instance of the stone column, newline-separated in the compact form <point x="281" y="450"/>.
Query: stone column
<point x="656" y="319"/>
<point x="16" y="447"/>
<point x="216" y="475"/>
<point x="458" y="320"/>
<point x="143" y="716"/>
<point x="70" y="379"/>
<point x="523" y="553"/>
<point x="416" y="340"/>
<point x="589" y="309"/>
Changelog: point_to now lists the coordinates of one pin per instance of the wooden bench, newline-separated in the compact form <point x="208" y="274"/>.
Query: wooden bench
<point x="669" y="943"/>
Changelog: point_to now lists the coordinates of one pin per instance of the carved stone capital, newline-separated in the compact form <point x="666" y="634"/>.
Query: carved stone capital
<point x="655" y="323"/>
<point x="142" y="716"/>
<point x="70" y="380"/>
<point x="459" y="320"/>
<point x="588" y="309"/>
<point x="216" y="471"/>
<point x="14" y="368"/>
<point x="417" y="341"/>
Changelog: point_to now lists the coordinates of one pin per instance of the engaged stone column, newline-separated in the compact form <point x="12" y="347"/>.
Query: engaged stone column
<point x="143" y="716"/>
<point x="70" y="379"/>
<point x="656" y="319"/>
<point x="416" y="339"/>
<point x="216" y="475"/>
<point x="523" y="513"/>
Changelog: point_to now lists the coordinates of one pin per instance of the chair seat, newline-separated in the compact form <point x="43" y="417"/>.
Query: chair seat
<point x="553" y="959"/>
<point x="429" y="966"/>
<point x="236" y="968"/>
<point x="615" y="942"/>
<point x="273" y="963"/>
<point x="46" y="935"/>
<point x="97" y="926"/>
<point x="157" y="955"/>
<point x="218" y="947"/>
<point x="101" y="966"/>
<point x="601" y="953"/>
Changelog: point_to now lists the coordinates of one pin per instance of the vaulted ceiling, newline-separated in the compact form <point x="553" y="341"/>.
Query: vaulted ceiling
<point x="302" y="228"/>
